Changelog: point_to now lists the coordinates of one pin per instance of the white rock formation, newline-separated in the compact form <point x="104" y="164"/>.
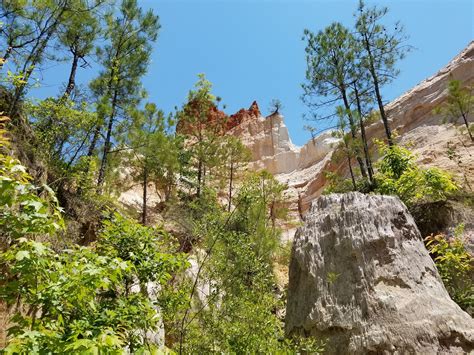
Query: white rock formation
<point x="361" y="277"/>
<point x="411" y="115"/>
<point x="303" y="168"/>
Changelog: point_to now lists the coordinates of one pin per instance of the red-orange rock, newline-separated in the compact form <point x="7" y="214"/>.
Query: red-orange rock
<point x="216" y="117"/>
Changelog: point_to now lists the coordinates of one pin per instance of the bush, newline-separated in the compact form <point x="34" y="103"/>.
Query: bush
<point x="455" y="266"/>
<point x="23" y="212"/>
<point x="338" y="184"/>
<point x="398" y="174"/>
<point x="77" y="300"/>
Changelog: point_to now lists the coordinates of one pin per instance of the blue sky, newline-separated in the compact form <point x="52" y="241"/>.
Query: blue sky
<point x="252" y="50"/>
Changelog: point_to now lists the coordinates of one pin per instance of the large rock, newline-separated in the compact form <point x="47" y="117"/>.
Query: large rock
<point x="361" y="277"/>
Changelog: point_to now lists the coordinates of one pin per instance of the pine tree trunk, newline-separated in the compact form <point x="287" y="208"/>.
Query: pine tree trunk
<point x="368" y="161"/>
<point x="467" y="126"/>
<point x="34" y="58"/>
<point x="198" y="192"/>
<point x="77" y="151"/>
<point x="145" y="187"/>
<point x="94" y="140"/>
<point x="352" y="173"/>
<point x="107" y="144"/>
<point x="353" y="131"/>
<point x="375" y="80"/>
<point x="72" y="76"/>
<point x="231" y="179"/>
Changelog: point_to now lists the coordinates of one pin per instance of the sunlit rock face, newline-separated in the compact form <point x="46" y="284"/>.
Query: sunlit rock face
<point x="303" y="168"/>
<point x="361" y="278"/>
<point x="411" y="115"/>
<point x="416" y="106"/>
<point x="272" y="149"/>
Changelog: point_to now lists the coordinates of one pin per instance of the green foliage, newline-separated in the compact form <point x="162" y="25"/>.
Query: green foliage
<point x="379" y="50"/>
<point x="61" y="126"/>
<point x="332" y="277"/>
<point x="80" y="299"/>
<point x="330" y="56"/>
<point x="73" y="300"/>
<point x="382" y="46"/>
<point x="199" y="122"/>
<point x="335" y="183"/>
<point x="118" y="88"/>
<point x="455" y="266"/>
<point x="108" y="296"/>
<point x="459" y="104"/>
<point x="141" y="246"/>
<point x="25" y="210"/>
<point x="153" y="152"/>
<point x="332" y="72"/>
<point x="239" y="315"/>
<point x="283" y="253"/>
<point x="398" y="174"/>
<point x="260" y="204"/>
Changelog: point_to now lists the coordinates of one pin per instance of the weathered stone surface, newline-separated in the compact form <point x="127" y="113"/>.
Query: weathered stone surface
<point x="361" y="276"/>
<point x="443" y="217"/>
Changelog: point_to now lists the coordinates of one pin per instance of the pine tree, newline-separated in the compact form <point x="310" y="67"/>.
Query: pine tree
<point x="236" y="156"/>
<point x="381" y="49"/>
<point x="330" y="56"/>
<point x="347" y="142"/>
<point x="153" y="154"/>
<point x="200" y="121"/>
<point x="15" y="30"/>
<point x="45" y="17"/>
<point x="125" y="59"/>
<point x="459" y="104"/>
<point x="78" y="34"/>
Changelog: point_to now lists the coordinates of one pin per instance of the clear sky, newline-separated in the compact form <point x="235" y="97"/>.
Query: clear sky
<point x="252" y="50"/>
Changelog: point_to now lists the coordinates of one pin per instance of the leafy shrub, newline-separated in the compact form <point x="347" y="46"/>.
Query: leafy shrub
<point x="455" y="266"/>
<point x="337" y="184"/>
<point x="68" y="300"/>
<point x="81" y="299"/>
<point x="240" y="312"/>
<point x="398" y="174"/>
<point x="144" y="247"/>
<point x="22" y="211"/>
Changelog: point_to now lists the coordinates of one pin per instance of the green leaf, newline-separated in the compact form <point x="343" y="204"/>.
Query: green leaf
<point x="22" y="254"/>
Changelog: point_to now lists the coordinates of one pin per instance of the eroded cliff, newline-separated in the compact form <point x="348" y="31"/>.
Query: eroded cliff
<point x="412" y="115"/>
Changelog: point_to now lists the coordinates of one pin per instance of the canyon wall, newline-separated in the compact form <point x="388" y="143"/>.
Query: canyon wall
<point x="411" y="115"/>
<point x="303" y="168"/>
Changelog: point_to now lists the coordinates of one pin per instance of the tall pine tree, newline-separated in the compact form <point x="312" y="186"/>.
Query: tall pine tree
<point x="381" y="49"/>
<point x="125" y="60"/>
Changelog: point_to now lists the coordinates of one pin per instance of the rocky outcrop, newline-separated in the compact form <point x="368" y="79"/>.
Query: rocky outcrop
<point x="216" y="118"/>
<point x="243" y="114"/>
<point x="361" y="278"/>
<point x="416" y="106"/>
<point x="444" y="217"/>
<point x="272" y="149"/>
<point x="303" y="168"/>
<point x="411" y="115"/>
